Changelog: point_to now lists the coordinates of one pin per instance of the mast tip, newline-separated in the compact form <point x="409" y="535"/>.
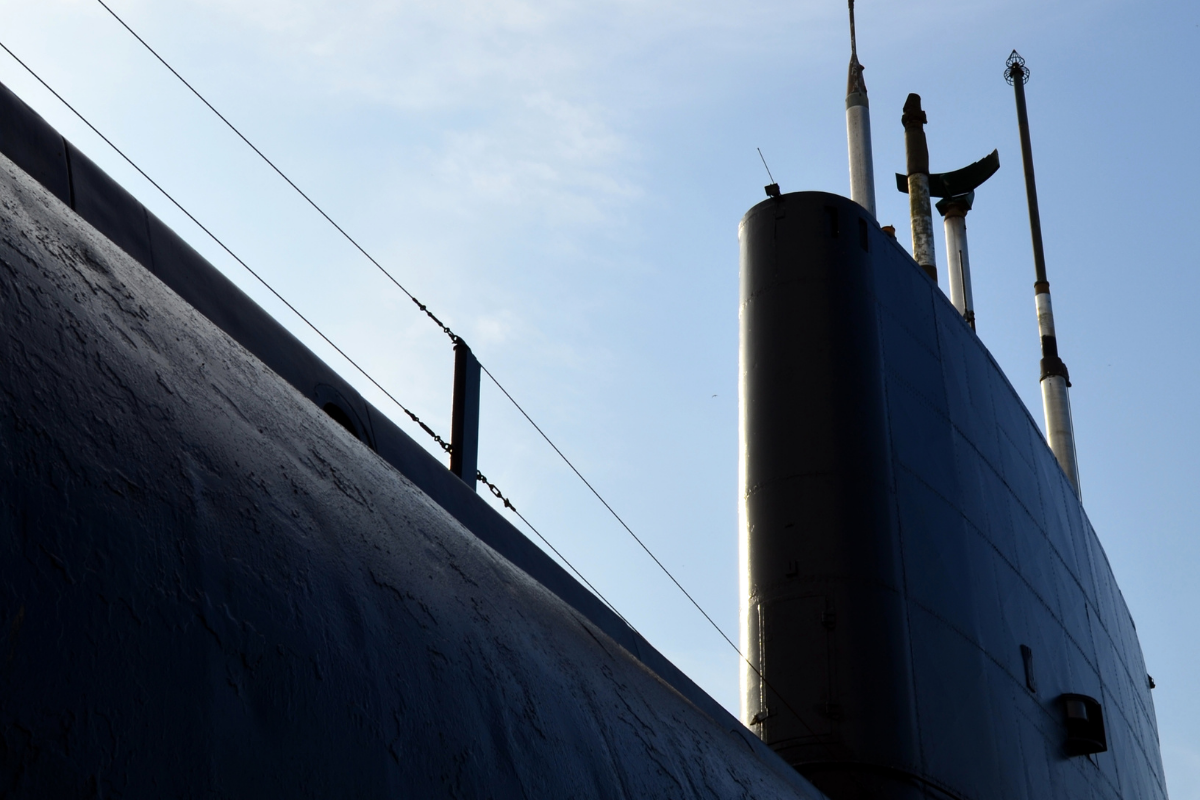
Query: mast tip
<point x="854" y="82"/>
<point x="1015" y="66"/>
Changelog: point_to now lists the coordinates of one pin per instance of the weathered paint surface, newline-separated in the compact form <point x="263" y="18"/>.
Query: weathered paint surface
<point x="921" y="215"/>
<point x="958" y="264"/>
<point x="1060" y="428"/>
<point x="1056" y="400"/>
<point x="862" y="163"/>
<point x="209" y="588"/>
<point x="1045" y="314"/>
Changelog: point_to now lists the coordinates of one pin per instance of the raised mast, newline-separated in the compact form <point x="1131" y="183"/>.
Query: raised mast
<point x="1056" y="401"/>
<point x="858" y="130"/>
<point x="917" y="155"/>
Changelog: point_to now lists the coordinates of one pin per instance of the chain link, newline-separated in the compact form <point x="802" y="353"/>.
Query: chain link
<point x="495" y="490"/>
<point x="445" y="328"/>
<point x="479" y="476"/>
<point x="441" y="442"/>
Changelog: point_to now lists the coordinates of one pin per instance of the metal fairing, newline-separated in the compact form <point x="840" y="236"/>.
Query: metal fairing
<point x="211" y="588"/>
<point x="906" y="531"/>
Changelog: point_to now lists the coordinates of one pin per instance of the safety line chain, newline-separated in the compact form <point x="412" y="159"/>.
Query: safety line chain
<point x="479" y="476"/>
<point x="441" y="442"/>
<point x="454" y="337"/>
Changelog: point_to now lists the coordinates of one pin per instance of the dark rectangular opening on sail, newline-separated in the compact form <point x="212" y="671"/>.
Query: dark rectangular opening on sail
<point x="831" y="218"/>
<point x="1027" y="660"/>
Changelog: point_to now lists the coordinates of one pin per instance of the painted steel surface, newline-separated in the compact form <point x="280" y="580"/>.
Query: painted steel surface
<point x="958" y="263"/>
<point x="921" y="584"/>
<point x="858" y="129"/>
<point x="916" y="151"/>
<point x="858" y="139"/>
<point x="921" y="218"/>
<point x="210" y="588"/>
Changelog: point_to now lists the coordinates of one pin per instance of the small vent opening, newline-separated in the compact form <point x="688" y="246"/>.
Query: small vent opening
<point x="1027" y="658"/>
<point x="341" y="418"/>
<point x="1085" y="725"/>
<point x="831" y="219"/>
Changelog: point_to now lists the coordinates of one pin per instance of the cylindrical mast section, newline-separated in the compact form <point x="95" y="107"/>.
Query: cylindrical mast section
<point x="1017" y="75"/>
<point x="958" y="262"/>
<point x="858" y="130"/>
<point x="918" y="185"/>
<point x="1056" y="401"/>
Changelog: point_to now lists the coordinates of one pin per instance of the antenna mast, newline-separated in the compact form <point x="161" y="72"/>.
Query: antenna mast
<point x="853" y="47"/>
<point x="1056" y="402"/>
<point x="858" y="130"/>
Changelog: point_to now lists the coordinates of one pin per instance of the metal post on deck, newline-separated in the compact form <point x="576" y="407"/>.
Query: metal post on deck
<point x="464" y="418"/>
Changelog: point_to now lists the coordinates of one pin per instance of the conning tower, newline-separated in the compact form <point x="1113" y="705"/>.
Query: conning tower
<point x="926" y="610"/>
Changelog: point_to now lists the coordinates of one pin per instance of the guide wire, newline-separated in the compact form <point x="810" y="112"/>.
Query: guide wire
<point x="479" y="476"/>
<point x="507" y="504"/>
<point x="445" y="329"/>
<point x="615" y="515"/>
<point x="653" y="557"/>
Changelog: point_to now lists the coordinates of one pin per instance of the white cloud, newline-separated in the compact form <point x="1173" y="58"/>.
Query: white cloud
<point x="546" y="156"/>
<point x="497" y="328"/>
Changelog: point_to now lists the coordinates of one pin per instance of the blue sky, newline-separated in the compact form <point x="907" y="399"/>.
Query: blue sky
<point x="562" y="182"/>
